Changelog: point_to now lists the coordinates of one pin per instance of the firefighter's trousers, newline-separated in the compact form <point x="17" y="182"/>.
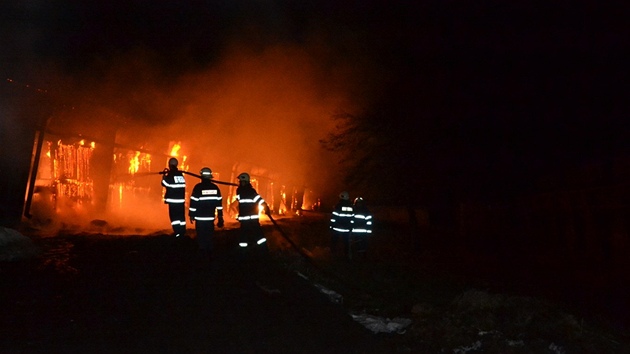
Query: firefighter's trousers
<point x="177" y="215"/>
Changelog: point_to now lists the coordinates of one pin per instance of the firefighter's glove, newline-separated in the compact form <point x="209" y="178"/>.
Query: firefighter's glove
<point x="192" y="220"/>
<point x="267" y="210"/>
<point x="220" y="223"/>
<point x="165" y="171"/>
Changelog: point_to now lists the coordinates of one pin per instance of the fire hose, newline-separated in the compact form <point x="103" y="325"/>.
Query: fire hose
<point x="282" y="233"/>
<point x="286" y="237"/>
<point x="275" y="224"/>
<point x="347" y="283"/>
<point x="188" y="173"/>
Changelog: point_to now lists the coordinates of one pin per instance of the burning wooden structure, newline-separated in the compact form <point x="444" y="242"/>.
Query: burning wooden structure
<point x="96" y="175"/>
<point x="65" y="160"/>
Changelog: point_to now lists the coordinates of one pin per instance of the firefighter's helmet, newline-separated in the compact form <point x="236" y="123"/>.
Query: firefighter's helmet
<point x="344" y="195"/>
<point x="206" y="173"/>
<point x="172" y="162"/>
<point x="243" y="177"/>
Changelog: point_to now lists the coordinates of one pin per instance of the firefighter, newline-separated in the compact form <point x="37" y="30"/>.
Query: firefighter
<point x="362" y="226"/>
<point x="252" y="240"/>
<point x="341" y="224"/>
<point x="206" y="202"/>
<point x="253" y="248"/>
<point x="175" y="196"/>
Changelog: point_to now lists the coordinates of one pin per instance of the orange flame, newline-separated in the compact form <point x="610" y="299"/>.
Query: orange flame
<point x="134" y="163"/>
<point x="175" y="149"/>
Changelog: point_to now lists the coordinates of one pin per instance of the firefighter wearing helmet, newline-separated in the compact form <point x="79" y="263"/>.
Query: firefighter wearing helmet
<point x="175" y="197"/>
<point x="251" y="240"/>
<point x="361" y="227"/>
<point x="341" y="224"/>
<point x="206" y="202"/>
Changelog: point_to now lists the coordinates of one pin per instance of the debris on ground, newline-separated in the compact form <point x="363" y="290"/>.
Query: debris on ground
<point x="378" y="324"/>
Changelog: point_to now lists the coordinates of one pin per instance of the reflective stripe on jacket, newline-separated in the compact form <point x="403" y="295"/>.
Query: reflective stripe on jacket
<point x="205" y="201"/>
<point x="248" y="202"/>
<point x="175" y="184"/>
<point x="342" y="216"/>
<point x="362" y="221"/>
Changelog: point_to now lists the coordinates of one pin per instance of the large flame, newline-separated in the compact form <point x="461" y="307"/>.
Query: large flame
<point x="134" y="163"/>
<point x="137" y="161"/>
<point x="175" y="150"/>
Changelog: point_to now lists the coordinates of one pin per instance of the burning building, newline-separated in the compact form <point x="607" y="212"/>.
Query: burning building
<point x="79" y="168"/>
<point x="97" y="144"/>
<point x="83" y="171"/>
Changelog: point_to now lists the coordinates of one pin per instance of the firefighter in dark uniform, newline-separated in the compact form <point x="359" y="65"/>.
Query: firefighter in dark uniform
<point x="206" y="202"/>
<point x="362" y="226"/>
<point x="254" y="254"/>
<point x="175" y="196"/>
<point x="341" y="224"/>
<point x="252" y="241"/>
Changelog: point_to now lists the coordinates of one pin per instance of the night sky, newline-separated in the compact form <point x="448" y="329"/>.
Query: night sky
<point x="502" y="89"/>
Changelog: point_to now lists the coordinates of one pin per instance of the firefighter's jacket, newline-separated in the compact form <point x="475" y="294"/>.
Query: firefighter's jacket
<point x="362" y="220"/>
<point x="248" y="202"/>
<point x="175" y="185"/>
<point x="205" y="200"/>
<point x="342" y="217"/>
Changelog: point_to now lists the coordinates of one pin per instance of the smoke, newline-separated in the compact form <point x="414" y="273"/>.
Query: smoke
<point x="267" y="109"/>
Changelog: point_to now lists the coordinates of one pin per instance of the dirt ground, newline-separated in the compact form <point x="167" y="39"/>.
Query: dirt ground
<point x="149" y="294"/>
<point x="99" y="293"/>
